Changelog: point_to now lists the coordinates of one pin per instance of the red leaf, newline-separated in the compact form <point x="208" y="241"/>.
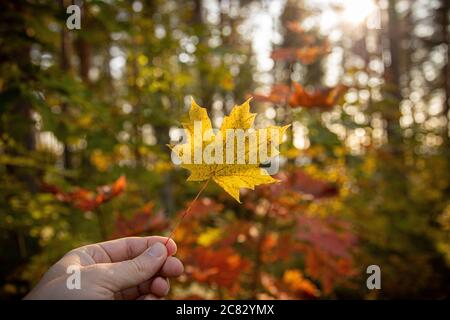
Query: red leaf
<point x="222" y="267"/>
<point x="203" y="207"/>
<point x="142" y="221"/>
<point x="300" y="181"/>
<point x="86" y="200"/>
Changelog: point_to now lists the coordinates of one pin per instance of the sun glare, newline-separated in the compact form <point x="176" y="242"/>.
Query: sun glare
<point x="356" y="11"/>
<point x="353" y="12"/>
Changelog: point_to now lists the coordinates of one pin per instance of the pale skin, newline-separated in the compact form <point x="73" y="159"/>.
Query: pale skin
<point x="128" y="268"/>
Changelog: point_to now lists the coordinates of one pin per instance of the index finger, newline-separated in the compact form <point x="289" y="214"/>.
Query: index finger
<point x="126" y="248"/>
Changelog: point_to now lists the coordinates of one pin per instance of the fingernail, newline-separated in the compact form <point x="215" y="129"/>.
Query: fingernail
<point x="157" y="250"/>
<point x="168" y="288"/>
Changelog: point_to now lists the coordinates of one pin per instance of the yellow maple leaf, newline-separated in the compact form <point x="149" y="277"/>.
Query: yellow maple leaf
<point x="240" y="165"/>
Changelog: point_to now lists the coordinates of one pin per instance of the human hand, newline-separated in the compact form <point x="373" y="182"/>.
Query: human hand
<point x="127" y="268"/>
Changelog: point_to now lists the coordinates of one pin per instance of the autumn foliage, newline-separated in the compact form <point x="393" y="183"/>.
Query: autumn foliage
<point x="86" y="200"/>
<point x="91" y="121"/>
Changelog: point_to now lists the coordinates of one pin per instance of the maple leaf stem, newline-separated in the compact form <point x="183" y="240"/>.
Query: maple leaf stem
<point x="187" y="210"/>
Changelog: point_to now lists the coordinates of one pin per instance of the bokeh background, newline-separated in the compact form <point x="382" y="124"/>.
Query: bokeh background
<point x="86" y="115"/>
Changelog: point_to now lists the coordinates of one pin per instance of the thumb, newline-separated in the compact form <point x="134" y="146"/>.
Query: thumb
<point x="130" y="273"/>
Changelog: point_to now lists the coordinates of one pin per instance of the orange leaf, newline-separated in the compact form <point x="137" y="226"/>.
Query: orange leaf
<point x="295" y="26"/>
<point x="87" y="200"/>
<point x="279" y="94"/>
<point x="119" y="186"/>
<point x="319" y="98"/>
<point x="306" y="55"/>
<point x="222" y="267"/>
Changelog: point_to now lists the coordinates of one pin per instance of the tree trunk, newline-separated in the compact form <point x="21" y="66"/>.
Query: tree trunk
<point x="393" y="75"/>
<point x="84" y="48"/>
<point x="66" y="66"/>
<point x="445" y="9"/>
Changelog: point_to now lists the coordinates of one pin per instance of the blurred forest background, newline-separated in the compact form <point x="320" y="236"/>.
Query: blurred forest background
<point x="86" y="115"/>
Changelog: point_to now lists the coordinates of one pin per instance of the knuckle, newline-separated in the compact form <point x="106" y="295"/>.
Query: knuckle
<point x="138" y="267"/>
